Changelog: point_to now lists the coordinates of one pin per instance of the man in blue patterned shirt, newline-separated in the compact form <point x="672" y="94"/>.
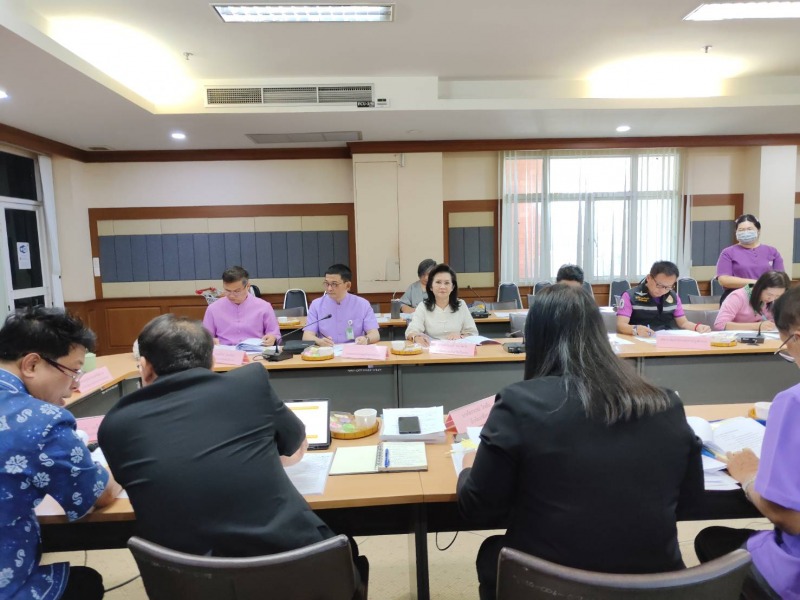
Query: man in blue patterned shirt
<point x="41" y="355"/>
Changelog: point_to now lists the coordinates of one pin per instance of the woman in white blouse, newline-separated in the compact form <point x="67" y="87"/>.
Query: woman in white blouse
<point x="441" y="315"/>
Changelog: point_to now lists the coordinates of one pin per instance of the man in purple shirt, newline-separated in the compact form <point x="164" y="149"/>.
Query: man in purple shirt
<point x="352" y="318"/>
<point x="239" y="314"/>
<point x="772" y="483"/>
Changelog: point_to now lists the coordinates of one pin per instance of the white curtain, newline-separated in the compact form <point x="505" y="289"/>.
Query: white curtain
<point x="613" y="212"/>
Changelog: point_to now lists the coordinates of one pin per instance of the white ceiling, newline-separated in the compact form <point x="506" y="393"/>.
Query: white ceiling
<point x="451" y="69"/>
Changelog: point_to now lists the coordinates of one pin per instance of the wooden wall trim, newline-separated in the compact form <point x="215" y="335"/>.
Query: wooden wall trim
<point x="456" y="206"/>
<point x="113" y="156"/>
<point x="242" y="210"/>
<point x="787" y="139"/>
<point x="797" y="197"/>
<point x="735" y="200"/>
<point x="36" y="143"/>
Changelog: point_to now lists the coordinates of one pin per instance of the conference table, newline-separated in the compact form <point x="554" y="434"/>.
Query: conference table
<point x="415" y="503"/>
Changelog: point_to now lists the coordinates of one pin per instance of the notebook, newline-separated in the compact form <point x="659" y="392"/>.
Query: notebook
<point x="386" y="456"/>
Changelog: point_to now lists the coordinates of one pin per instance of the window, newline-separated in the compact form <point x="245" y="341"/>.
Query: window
<point x="614" y="213"/>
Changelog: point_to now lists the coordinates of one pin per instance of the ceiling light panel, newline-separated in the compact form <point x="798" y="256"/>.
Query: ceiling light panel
<point x="304" y="13"/>
<point x="745" y="10"/>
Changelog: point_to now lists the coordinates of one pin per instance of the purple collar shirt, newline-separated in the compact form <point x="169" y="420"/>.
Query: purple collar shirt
<point x="231" y="323"/>
<point x="352" y="312"/>
<point x="749" y="263"/>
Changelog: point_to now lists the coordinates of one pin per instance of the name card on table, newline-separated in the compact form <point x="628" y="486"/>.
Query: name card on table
<point x="471" y="415"/>
<point x="94" y="379"/>
<point x="687" y="340"/>
<point x="229" y="356"/>
<point x="456" y="348"/>
<point x="364" y="352"/>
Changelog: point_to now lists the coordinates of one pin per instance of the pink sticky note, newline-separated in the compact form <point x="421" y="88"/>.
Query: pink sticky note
<point x="90" y="425"/>
<point x="369" y="352"/>
<point x="471" y="415"/>
<point x="228" y="356"/>
<point x="94" y="379"/>
<point x="452" y="347"/>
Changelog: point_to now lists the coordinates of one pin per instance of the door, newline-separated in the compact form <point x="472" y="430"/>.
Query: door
<point x="24" y="280"/>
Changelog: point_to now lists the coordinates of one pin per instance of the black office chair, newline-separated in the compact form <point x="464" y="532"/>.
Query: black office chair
<point x="687" y="286"/>
<point x="321" y="570"/>
<point x="297" y="311"/>
<point x="255" y="290"/>
<point x="588" y="288"/>
<point x="540" y="285"/>
<point x="509" y="292"/>
<point x="517" y="323"/>
<point x="616" y="289"/>
<point x="716" y="287"/>
<point x="296" y="297"/>
<point x="521" y="576"/>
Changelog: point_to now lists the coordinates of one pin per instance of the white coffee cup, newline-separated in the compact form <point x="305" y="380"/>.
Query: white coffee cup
<point x="399" y="345"/>
<point x="365" y="417"/>
<point x="762" y="410"/>
<point x="283" y="319"/>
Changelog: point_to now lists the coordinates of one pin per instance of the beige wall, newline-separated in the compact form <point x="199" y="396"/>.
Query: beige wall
<point x="470" y="175"/>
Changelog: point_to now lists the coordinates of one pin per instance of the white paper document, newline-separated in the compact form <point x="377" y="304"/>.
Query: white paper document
<point x="431" y="424"/>
<point x="615" y="339"/>
<point x="719" y="481"/>
<point x="730" y="435"/>
<point x="310" y="475"/>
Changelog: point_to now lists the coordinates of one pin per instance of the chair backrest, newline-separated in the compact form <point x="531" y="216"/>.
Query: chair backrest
<point x="609" y="320"/>
<point x="517" y="323"/>
<point x="540" y="285"/>
<point x="509" y="292"/>
<point x="588" y="287"/>
<point x="530" y="299"/>
<point x="617" y="288"/>
<point x="686" y="286"/>
<point x="704" y="317"/>
<point x="255" y="290"/>
<point x="295" y="297"/>
<point x="376" y="307"/>
<point x="522" y="576"/>
<point x="297" y="311"/>
<point x="502" y="305"/>
<point x="321" y="570"/>
<point x="716" y="287"/>
<point x="693" y="299"/>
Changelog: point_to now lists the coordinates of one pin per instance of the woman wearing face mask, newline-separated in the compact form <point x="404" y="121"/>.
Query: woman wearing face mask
<point x="743" y="263"/>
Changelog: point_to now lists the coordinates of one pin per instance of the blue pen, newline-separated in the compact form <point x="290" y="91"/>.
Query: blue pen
<point x="386" y="459"/>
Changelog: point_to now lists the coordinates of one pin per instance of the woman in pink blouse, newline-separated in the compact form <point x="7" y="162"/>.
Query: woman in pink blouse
<point x="750" y="307"/>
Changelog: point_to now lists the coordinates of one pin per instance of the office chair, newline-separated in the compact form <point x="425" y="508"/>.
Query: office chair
<point x="617" y="288"/>
<point x="686" y="286"/>
<point x="540" y="285"/>
<point x="517" y="323"/>
<point x="588" y="288"/>
<point x="609" y="320"/>
<point x="693" y="299"/>
<point x="296" y="297"/>
<point x="297" y="311"/>
<point x="321" y="570"/>
<point x="510" y="305"/>
<point x="509" y="292"/>
<point x="716" y="287"/>
<point x="521" y="576"/>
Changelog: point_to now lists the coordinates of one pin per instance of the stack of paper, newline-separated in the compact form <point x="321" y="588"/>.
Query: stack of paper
<point x="251" y="345"/>
<point x="431" y="425"/>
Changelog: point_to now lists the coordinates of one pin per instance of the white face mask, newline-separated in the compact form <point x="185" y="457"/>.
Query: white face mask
<point x="747" y="237"/>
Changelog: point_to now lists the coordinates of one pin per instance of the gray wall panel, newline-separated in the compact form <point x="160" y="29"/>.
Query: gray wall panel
<point x="233" y="250"/>
<point x="122" y="249"/>
<point x="264" y="254"/>
<point x="456" y="235"/>
<point x="172" y="270"/>
<point x="139" y="258"/>
<point x="472" y="250"/>
<point x="108" y="259"/>
<point x="325" y="253"/>
<point x="341" y="249"/>
<point x="711" y="241"/>
<point x="155" y="257"/>
<point x="486" y="236"/>
<point x="698" y="243"/>
<point x="202" y="258"/>
<point x="186" y="256"/>
<point x="216" y="251"/>
<point x="249" y="260"/>
<point x="280" y="251"/>
<point x="796" y="252"/>
<point x="310" y="254"/>
<point x="294" y="247"/>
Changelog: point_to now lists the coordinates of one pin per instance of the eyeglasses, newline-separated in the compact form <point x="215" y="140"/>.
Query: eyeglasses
<point x="660" y="286"/>
<point x="784" y="355"/>
<point x="234" y="292"/>
<point x="332" y="284"/>
<point x="75" y="375"/>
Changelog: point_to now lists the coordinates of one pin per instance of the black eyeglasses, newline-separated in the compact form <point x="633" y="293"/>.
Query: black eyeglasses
<point x="784" y="355"/>
<point x="75" y="375"/>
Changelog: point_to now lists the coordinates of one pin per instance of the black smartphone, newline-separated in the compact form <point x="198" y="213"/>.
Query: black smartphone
<point x="408" y="424"/>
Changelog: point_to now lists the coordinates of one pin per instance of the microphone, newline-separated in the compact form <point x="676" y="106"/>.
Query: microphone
<point x="514" y="347"/>
<point x="476" y="311"/>
<point x="294" y="347"/>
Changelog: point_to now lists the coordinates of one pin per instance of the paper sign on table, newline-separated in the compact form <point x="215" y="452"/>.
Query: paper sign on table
<point x="471" y="415"/>
<point x="94" y="379"/>
<point x="90" y="425"/>
<point x="369" y="352"/>
<point x="456" y="348"/>
<point x="669" y="339"/>
<point x="228" y="356"/>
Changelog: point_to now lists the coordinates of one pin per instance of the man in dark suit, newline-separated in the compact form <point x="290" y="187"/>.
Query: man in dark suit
<point x="201" y="454"/>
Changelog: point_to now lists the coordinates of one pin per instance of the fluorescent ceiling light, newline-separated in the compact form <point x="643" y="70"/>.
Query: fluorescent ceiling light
<point x="304" y="13"/>
<point x="745" y="10"/>
<point x="3" y="95"/>
<point x="178" y="135"/>
<point x="623" y="128"/>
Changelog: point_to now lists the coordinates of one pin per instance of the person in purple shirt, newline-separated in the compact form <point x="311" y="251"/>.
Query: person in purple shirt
<point x="351" y="318"/>
<point x="743" y="263"/>
<point x="772" y="483"/>
<point x="240" y="315"/>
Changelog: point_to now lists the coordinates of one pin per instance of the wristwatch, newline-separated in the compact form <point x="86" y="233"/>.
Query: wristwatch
<point x="636" y="330"/>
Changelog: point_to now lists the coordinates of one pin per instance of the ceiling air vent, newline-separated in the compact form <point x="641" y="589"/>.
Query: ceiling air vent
<point x="275" y="95"/>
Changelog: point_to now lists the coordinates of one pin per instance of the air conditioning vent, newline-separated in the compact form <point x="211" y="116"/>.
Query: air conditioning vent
<point x="288" y="95"/>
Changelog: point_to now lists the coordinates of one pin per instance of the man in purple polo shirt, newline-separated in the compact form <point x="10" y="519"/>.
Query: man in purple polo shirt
<point x="239" y="314"/>
<point x="352" y="318"/>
